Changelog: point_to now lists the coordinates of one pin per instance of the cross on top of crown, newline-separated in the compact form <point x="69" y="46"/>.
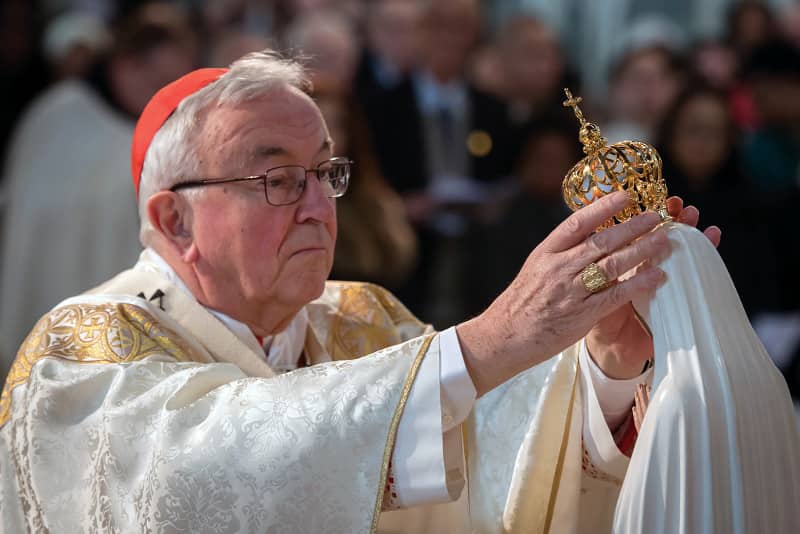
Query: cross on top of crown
<point x="572" y="102"/>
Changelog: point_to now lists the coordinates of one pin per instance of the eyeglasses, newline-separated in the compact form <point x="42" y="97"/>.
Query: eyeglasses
<point x="285" y="184"/>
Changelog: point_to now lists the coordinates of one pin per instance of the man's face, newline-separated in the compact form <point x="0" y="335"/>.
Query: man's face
<point x="257" y="255"/>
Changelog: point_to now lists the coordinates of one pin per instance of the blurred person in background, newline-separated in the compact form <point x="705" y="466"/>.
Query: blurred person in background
<point x="772" y="159"/>
<point x="643" y="85"/>
<point x="392" y="43"/>
<point x="772" y="148"/>
<point x="751" y="23"/>
<point x="505" y="235"/>
<point x="219" y="17"/>
<point x="486" y="70"/>
<point x="382" y="81"/>
<point x="287" y="12"/>
<point x="749" y="26"/>
<point x="789" y="22"/>
<point x="714" y="63"/>
<point x="328" y="42"/>
<point x="68" y="165"/>
<point x="441" y="151"/>
<point x="534" y="69"/>
<point x="23" y="71"/>
<point x="234" y="44"/>
<point x="376" y="242"/>
<point x="73" y="43"/>
<point x="698" y="143"/>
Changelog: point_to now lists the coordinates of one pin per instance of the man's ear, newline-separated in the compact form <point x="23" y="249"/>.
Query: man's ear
<point x="170" y="214"/>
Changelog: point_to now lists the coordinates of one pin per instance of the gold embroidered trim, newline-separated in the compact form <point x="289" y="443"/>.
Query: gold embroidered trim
<point x="562" y="453"/>
<point x="367" y="320"/>
<point x="393" y="426"/>
<point x="90" y="333"/>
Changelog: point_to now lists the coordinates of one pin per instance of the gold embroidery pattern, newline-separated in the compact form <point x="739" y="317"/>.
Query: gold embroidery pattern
<point x="367" y="320"/>
<point x="87" y="333"/>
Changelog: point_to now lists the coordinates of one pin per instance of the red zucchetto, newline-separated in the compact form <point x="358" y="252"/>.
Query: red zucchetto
<point x="158" y="110"/>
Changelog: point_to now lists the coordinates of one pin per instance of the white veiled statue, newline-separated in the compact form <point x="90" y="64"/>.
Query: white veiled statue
<point x="719" y="448"/>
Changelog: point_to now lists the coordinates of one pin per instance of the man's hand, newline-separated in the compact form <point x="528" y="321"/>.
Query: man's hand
<point x="618" y="343"/>
<point x="547" y="307"/>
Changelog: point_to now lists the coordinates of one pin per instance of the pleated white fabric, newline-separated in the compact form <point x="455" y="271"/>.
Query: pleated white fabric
<point x="719" y="449"/>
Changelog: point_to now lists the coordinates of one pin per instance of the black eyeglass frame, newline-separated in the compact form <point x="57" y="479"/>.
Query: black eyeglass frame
<point x="215" y="181"/>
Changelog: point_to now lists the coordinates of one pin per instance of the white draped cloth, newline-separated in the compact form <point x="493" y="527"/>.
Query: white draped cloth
<point x="719" y="449"/>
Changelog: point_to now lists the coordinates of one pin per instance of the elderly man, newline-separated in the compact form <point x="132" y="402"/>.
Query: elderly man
<point x="219" y="385"/>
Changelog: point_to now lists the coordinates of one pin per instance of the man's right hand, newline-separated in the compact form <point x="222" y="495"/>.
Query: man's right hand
<point x="547" y="307"/>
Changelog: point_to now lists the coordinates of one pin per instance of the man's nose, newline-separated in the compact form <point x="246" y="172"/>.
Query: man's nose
<point x="314" y="203"/>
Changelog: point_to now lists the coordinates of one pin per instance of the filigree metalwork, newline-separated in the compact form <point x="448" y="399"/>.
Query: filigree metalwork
<point x="629" y="166"/>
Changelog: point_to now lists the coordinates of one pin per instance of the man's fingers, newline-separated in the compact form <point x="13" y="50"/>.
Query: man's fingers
<point x="652" y="248"/>
<point x="604" y="243"/>
<point x="674" y="206"/>
<point x="690" y="215"/>
<point x="714" y="234"/>
<point x="575" y="228"/>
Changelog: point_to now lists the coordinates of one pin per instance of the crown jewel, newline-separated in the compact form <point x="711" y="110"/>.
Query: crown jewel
<point x="629" y="166"/>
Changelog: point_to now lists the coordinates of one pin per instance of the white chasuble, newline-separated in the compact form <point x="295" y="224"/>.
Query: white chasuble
<point x="719" y="449"/>
<point x="118" y="417"/>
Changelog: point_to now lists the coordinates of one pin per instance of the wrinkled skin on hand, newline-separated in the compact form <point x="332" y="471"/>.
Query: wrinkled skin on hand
<point x="547" y="307"/>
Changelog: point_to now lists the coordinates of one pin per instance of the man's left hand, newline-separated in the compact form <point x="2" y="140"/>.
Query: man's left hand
<point x="619" y="344"/>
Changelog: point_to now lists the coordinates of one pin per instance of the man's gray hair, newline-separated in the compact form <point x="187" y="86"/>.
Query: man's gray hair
<point x="172" y="156"/>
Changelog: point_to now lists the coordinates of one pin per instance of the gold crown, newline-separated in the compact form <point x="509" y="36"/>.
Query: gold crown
<point x="628" y="166"/>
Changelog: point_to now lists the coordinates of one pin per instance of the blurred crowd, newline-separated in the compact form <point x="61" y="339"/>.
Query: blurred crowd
<point x="451" y="110"/>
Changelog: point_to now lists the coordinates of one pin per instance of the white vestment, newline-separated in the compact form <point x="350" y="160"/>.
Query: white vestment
<point x="122" y="416"/>
<point x="70" y="219"/>
<point x="719" y="449"/>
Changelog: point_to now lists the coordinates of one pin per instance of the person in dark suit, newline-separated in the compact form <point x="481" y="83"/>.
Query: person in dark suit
<point x="442" y="144"/>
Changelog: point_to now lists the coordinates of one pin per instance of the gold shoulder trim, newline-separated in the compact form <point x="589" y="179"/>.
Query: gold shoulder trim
<point x="89" y="333"/>
<point x="369" y="318"/>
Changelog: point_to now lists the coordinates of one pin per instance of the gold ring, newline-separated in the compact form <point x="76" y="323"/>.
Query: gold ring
<point x="594" y="279"/>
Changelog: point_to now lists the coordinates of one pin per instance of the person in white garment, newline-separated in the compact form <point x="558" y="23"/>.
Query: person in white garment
<point x="222" y="384"/>
<point x="63" y="229"/>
